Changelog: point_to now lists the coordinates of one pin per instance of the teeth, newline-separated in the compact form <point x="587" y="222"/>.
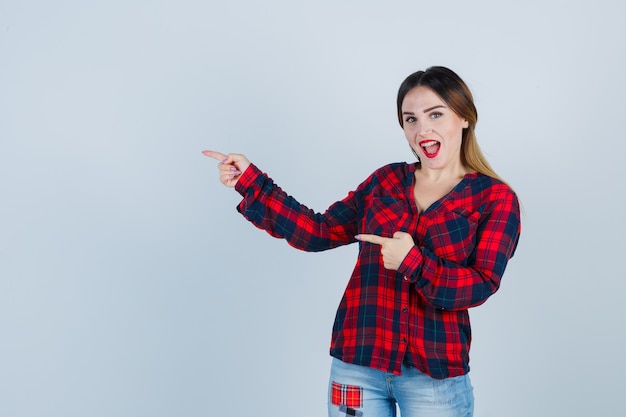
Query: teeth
<point x="427" y="144"/>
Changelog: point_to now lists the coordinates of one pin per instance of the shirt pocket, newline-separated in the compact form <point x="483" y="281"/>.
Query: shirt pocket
<point x="385" y="216"/>
<point x="452" y="235"/>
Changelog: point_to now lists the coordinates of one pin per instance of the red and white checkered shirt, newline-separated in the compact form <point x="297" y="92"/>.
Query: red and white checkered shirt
<point x="417" y="314"/>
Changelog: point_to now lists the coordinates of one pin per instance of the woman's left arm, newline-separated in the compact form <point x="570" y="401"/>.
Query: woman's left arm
<point x="451" y="286"/>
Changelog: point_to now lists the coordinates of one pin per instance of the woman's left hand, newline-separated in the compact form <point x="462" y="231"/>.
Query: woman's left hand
<point x="393" y="249"/>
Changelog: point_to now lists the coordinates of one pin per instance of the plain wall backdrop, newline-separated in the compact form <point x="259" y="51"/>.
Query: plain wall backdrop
<point x="130" y="286"/>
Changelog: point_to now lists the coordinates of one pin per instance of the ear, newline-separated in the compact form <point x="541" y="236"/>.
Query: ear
<point x="465" y="124"/>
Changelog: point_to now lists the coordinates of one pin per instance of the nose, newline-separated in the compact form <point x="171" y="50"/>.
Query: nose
<point x="425" y="131"/>
<point x="424" y="127"/>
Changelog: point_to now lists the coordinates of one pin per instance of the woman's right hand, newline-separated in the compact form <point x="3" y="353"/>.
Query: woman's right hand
<point x="231" y="166"/>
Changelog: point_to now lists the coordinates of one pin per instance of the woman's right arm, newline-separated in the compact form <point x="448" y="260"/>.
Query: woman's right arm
<point x="269" y="208"/>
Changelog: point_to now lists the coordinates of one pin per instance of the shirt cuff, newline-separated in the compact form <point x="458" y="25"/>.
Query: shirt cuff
<point x="411" y="266"/>
<point x="247" y="178"/>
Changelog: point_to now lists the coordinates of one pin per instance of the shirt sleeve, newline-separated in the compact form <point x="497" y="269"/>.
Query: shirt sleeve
<point x="451" y="286"/>
<point x="269" y="208"/>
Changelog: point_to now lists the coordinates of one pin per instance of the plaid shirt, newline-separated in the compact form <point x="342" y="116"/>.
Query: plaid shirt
<point x="417" y="314"/>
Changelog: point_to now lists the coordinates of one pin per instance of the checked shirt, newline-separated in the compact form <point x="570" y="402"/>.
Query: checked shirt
<point x="419" y="313"/>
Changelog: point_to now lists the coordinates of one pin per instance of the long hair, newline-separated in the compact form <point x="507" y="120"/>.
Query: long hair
<point x="455" y="93"/>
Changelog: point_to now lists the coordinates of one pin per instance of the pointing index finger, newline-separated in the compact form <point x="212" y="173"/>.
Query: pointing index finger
<point x="378" y="240"/>
<point x="215" y="155"/>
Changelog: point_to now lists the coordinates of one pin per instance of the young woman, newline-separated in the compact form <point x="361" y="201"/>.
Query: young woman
<point x="434" y="239"/>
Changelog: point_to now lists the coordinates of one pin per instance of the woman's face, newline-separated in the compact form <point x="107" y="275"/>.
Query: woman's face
<point x="432" y="129"/>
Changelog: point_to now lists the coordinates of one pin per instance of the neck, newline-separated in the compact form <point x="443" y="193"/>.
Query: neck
<point x="448" y="173"/>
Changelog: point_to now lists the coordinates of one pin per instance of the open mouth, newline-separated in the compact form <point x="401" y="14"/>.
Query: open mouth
<point x="430" y="147"/>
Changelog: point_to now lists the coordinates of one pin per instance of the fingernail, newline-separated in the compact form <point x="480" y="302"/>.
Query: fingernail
<point x="358" y="237"/>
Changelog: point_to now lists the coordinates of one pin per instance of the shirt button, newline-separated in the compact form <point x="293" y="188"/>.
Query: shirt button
<point x="405" y="309"/>
<point x="406" y="278"/>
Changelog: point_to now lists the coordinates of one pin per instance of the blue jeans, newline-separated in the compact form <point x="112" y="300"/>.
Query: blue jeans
<point x="355" y="390"/>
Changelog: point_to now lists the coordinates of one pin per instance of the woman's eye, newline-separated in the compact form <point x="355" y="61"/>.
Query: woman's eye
<point x="410" y="119"/>
<point x="435" y="115"/>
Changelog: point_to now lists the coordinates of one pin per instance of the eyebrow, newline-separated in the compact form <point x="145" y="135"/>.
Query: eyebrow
<point x="427" y="110"/>
<point x="434" y="107"/>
